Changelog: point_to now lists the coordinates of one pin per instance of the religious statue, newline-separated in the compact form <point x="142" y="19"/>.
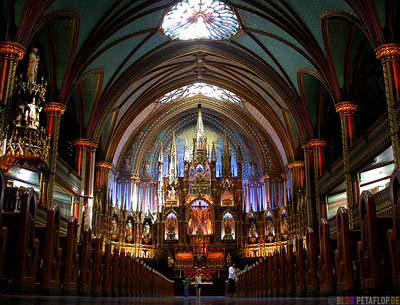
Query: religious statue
<point x="270" y="230"/>
<point x="33" y="66"/>
<point x="114" y="229"/>
<point x="146" y="234"/>
<point x="129" y="231"/>
<point x="126" y="167"/>
<point x="171" y="229"/>
<point x="228" y="229"/>
<point x="284" y="227"/>
<point x="19" y="117"/>
<point x="253" y="232"/>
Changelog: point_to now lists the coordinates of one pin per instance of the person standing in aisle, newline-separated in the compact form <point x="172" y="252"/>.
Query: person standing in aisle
<point x="232" y="279"/>
<point x="186" y="285"/>
<point x="197" y="283"/>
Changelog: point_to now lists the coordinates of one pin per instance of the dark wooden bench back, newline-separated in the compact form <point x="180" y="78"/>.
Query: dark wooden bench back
<point x="3" y="230"/>
<point x="51" y="250"/>
<point x="22" y="247"/>
<point x="346" y="257"/>
<point x="299" y="267"/>
<point x="394" y="233"/>
<point x="70" y="258"/>
<point x="311" y="263"/>
<point x="107" y="269"/>
<point x="326" y="259"/>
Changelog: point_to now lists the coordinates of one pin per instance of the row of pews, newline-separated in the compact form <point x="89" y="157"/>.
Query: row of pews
<point x="41" y="260"/>
<point x="363" y="261"/>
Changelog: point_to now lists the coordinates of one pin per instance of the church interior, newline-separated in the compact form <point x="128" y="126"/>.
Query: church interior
<point x="143" y="142"/>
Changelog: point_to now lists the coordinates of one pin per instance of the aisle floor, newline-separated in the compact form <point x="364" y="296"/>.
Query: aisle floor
<point x="47" y="300"/>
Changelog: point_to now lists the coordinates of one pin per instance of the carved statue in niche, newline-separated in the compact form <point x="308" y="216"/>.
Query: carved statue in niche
<point x="146" y="234"/>
<point x="129" y="231"/>
<point x="32" y="66"/>
<point x="285" y="227"/>
<point x="253" y="232"/>
<point x="270" y="230"/>
<point x="228" y="222"/>
<point x="146" y="167"/>
<point x="114" y="229"/>
<point x="126" y="167"/>
<point x="171" y="226"/>
<point x="228" y="259"/>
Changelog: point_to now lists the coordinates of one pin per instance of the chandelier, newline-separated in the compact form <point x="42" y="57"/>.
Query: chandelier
<point x="23" y="142"/>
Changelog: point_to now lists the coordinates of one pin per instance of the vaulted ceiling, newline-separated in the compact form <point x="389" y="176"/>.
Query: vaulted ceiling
<point x="290" y="62"/>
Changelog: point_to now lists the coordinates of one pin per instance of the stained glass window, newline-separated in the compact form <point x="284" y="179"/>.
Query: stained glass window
<point x="200" y="19"/>
<point x="200" y="88"/>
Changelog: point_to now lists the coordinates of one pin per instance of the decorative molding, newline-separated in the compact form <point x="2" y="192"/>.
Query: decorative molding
<point x="54" y="108"/>
<point x="389" y="51"/>
<point x="12" y="50"/>
<point x="346" y="108"/>
<point x="315" y="144"/>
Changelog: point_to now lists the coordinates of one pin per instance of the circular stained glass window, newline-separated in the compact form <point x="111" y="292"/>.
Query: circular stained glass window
<point x="200" y="19"/>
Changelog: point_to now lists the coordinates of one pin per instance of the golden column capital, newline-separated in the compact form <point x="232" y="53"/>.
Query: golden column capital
<point x="346" y="108"/>
<point x="54" y="108"/>
<point x="84" y="143"/>
<point x="104" y="164"/>
<point x="295" y="164"/>
<point x="314" y="144"/>
<point x="388" y="51"/>
<point x="12" y="50"/>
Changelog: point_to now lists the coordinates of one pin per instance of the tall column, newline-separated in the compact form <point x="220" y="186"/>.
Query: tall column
<point x="389" y="56"/>
<point x="85" y="165"/>
<point x="91" y="158"/>
<point x="297" y="174"/>
<point x="313" y="156"/>
<point x="102" y="170"/>
<point x="346" y="111"/>
<point x="10" y="54"/>
<point x="54" y="110"/>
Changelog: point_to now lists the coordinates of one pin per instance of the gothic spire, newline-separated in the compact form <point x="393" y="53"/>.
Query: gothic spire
<point x="226" y="158"/>
<point x="213" y="153"/>
<point x="172" y="160"/>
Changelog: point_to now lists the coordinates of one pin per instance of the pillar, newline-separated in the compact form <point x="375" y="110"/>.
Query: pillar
<point x="85" y="166"/>
<point x="10" y="54"/>
<point x="313" y="156"/>
<point x="54" y="110"/>
<point x="102" y="170"/>
<point x="389" y="56"/>
<point x="346" y="110"/>
<point x="297" y="174"/>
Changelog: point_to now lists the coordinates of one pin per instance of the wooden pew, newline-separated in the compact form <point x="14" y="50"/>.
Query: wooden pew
<point x="122" y="273"/>
<point x="115" y="272"/>
<point x="311" y="264"/>
<point x="3" y="230"/>
<point x="270" y="281"/>
<point x="327" y="277"/>
<point x="85" y="265"/>
<point x="128" y="275"/>
<point x="275" y="274"/>
<point x="21" y="253"/>
<point x="299" y="267"/>
<point x="290" y="284"/>
<point x="50" y="253"/>
<point x="282" y="271"/>
<point x="97" y="266"/>
<point x="107" y="269"/>
<point x="263" y="270"/>
<point x="394" y="234"/>
<point x="346" y="258"/>
<point x="70" y="258"/>
<point x="373" y="249"/>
